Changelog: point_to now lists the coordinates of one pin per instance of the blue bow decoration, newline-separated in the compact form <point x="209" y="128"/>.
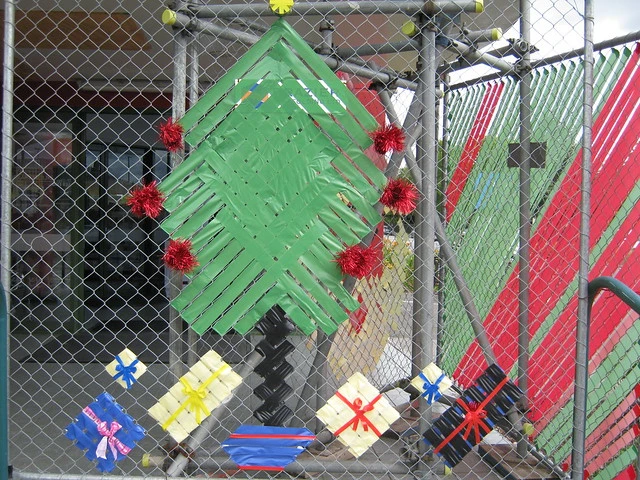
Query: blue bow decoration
<point x="126" y="371"/>
<point x="431" y="390"/>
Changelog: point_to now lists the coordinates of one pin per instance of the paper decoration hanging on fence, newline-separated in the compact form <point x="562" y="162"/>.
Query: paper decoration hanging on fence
<point x="432" y="383"/>
<point x="358" y="414"/>
<point x="474" y="414"/>
<point x="266" y="448"/>
<point x="126" y="368"/>
<point x="274" y="368"/>
<point x="275" y="186"/>
<point x="203" y="388"/>
<point x="105" y="432"/>
<point x="359" y="344"/>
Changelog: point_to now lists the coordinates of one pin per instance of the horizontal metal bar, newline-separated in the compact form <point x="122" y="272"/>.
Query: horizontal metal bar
<point x="301" y="465"/>
<point x="431" y="7"/>
<point x="181" y="20"/>
<point x="471" y="54"/>
<point x="367" y="50"/>
<point x="503" y="51"/>
<point x="483" y="36"/>
<point x="18" y="475"/>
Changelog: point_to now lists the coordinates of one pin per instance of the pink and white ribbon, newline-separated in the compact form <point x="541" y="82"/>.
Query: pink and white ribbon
<point x="108" y="436"/>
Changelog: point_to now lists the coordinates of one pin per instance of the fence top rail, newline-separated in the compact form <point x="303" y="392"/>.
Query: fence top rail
<point x="367" y="7"/>
<point x="612" y="43"/>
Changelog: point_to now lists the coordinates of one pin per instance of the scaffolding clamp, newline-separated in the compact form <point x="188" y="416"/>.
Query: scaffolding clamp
<point x="521" y="47"/>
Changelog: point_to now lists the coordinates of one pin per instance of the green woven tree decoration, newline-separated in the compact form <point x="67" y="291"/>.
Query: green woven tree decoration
<point x="275" y="186"/>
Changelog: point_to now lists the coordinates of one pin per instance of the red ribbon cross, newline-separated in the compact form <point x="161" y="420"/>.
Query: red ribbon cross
<point x="360" y="416"/>
<point x="473" y="418"/>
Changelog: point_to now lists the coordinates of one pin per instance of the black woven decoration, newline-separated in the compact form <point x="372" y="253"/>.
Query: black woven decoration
<point x="274" y="368"/>
<point x="479" y="408"/>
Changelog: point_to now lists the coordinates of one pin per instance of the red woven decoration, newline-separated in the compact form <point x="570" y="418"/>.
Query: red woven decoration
<point x="357" y="261"/>
<point x="400" y="195"/>
<point x="388" y="138"/>
<point x="178" y="256"/>
<point x="146" y="200"/>
<point x="171" y="135"/>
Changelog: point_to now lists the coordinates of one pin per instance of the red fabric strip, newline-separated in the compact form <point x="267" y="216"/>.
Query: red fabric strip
<point x="472" y="147"/>
<point x="273" y="436"/>
<point x="554" y="246"/>
<point x="628" y="473"/>
<point x="551" y="376"/>
<point x="608" y="439"/>
<point x="259" y="467"/>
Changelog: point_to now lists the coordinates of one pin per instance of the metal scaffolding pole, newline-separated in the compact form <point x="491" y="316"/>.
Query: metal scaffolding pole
<point x="510" y="50"/>
<point x="181" y="20"/>
<point x="365" y="7"/>
<point x="473" y="56"/>
<point x="524" y="233"/>
<point x="192" y="88"/>
<point x="181" y="40"/>
<point x="423" y="331"/>
<point x="443" y="167"/>
<point x="425" y="235"/>
<point x="584" y="305"/>
<point x="300" y="466"/>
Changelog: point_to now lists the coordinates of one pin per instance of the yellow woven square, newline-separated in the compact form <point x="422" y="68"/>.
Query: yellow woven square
<point x="200" y="391"/>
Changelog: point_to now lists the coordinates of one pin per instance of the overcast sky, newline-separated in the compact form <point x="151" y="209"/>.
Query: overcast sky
<point x="616" y="17"/>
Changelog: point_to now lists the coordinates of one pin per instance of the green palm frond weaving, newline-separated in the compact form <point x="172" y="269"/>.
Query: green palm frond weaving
<point x="275" y="185"/>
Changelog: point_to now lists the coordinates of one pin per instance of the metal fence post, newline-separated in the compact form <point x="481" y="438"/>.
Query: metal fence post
<point x="582" y="329"/>
<point x="7" y="146"/>
<point x="524" y="233"/>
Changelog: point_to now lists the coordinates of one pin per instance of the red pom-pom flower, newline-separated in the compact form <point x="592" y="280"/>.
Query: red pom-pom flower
<point x="178" y="256"/>
<point x="146" y="200"/>
<point x="171" y="135"/>
<point x="388" y="138"/>
<point x="400" y="195"/>
<point x="357" y="261"/>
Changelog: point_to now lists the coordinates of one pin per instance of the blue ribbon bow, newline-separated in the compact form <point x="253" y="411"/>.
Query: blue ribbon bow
<point x="126" y="371"/>
<point x="431" y="390"/>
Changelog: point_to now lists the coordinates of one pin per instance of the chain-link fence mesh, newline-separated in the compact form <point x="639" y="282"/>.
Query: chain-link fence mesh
<point x="494" y="241"/>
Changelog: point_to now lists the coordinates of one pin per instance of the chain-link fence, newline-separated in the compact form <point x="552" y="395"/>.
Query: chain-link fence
<point x="269" y="357"/>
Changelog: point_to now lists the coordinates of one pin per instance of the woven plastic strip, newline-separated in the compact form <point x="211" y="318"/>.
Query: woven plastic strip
<point x="473" y="415"/>
<point x="277" y="146"/>
<point x="105" y="432"/>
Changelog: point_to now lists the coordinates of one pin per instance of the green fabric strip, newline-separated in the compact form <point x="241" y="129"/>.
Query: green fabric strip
<point x="614" y="379"/>
<point x="224" y="84"/>
<point x="485" y="222"/>
<point x="263" y="286"/>
<point x="625" y="458"/>
<point x="324" y="72"/>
